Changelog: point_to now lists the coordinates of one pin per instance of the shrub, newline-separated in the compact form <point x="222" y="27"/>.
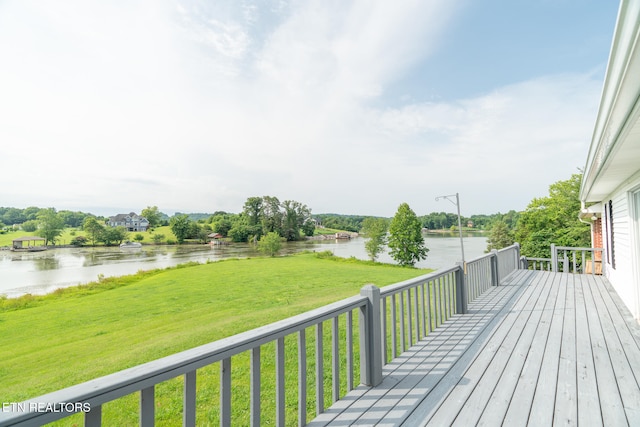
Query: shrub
<point x="270" y="243"/>
<point x="79" y="241"/>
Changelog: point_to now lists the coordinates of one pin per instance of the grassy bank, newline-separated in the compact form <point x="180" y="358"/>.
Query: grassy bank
<point x="62" y="339"/>
<point x="68" y="234"/>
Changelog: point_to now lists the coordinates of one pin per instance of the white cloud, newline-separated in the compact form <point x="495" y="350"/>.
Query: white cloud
<point x="195" y="107"/>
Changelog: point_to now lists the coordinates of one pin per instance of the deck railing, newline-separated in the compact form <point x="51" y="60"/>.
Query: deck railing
<point x="387" y="321"/>
<point x="566" y="259"/>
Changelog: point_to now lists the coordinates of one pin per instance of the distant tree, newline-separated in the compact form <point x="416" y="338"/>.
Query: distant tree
<point x="500" y="236"/>
<point x="309" y="227"/>
<point x="180" y="226"/>
<point x="253" y="210"/>
<point x="72" y="219"/>
<point x="51" y="225"/>
<point x="93" y="228"/>
<point x="222" y="226"/>
<point x="295" y="215"/>
<point x="30" y="226"/>
<point x="271" y="217"/>
<point x="138" y="237"/>
<point x="553" y="219"/>
<point x="405" y="237"/>
<point x="13" y="216"/>
<point x="375" y="229"/>
<point x="113" y="235"/>
<point x="153" y="215"/>
<point x="31" y="213"/>
<point x="270" y="243"/>
<point x="241" y="230"/>
<point x="157" y="238"/>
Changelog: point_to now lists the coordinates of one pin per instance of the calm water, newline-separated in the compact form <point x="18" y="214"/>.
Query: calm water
<point x="42" y="272"/>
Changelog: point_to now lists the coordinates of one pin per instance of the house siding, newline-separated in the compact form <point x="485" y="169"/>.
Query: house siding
<point x="623" y="274"/>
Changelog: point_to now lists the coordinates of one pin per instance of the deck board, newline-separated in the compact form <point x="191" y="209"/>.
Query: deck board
<point x="541" y="349"/>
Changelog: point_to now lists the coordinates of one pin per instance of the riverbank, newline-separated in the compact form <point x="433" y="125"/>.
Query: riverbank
<point x="39" y="273"/>
<point x="57" y="340"/>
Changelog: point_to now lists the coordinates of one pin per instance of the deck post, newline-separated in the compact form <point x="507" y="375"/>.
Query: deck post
<point x="518" y="254"/>
<point x="370" y="338"/>
<point x="554" y="258"/>
<point x="495" y="278"/>
<point x="461" y="290"/>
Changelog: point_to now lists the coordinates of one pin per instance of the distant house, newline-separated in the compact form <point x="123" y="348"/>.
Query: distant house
<point x="130" y="221"/>
<point x="610" y="190"/>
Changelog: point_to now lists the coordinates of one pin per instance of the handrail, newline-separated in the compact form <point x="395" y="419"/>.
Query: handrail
<point x="567" y="259"/>
<point x="391" y="320"/>
<point x="143" y="377"/>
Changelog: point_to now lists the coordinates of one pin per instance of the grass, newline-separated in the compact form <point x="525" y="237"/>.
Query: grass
<point x="69" y="233"/>
<point x="55" y="341"/>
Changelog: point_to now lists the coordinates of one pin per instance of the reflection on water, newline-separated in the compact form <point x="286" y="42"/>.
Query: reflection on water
<point x="42" y="272"/>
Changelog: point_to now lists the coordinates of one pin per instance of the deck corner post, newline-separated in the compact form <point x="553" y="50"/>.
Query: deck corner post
<point x="461" y="290"/>
<point x="495" y="279"/>
<point x="518" y="255"/>
<point x="554" y="258"/>
<point x="370" y="338"/>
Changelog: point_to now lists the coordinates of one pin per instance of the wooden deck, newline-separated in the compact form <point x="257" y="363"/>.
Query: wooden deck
<point x="543" y="349"/>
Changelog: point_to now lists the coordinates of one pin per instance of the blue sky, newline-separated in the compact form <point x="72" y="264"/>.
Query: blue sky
<point x="350" y="107"/>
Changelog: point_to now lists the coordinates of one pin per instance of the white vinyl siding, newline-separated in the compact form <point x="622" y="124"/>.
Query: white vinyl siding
<point x="622" y="275"/>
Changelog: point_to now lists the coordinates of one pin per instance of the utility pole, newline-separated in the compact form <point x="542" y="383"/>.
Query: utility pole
<point x="457" y="203"/>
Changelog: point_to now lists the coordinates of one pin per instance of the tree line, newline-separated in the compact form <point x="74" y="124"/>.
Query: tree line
<point x="546" y="220"/>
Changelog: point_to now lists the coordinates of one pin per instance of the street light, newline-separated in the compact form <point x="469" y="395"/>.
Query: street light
<point x="457" y="203"/>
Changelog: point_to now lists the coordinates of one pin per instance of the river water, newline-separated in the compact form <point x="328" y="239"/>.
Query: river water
<point x="43" y="272"/>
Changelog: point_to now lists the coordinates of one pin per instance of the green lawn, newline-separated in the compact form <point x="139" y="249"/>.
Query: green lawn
<point x="69" y="233"/>
<point x="77" y="335"/>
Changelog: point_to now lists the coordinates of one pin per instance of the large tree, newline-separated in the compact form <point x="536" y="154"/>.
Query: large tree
<point x="93" y="228"/>
<point x="500" y="236"/>
<point x="180" y="226"/>
<point x="405" y="237"/>
<point x="553" y="219"/>
<point x="153" y="215"/>
<point x="51" y="225"/>
<point x="294" y="216"/>
<point x="375" y="229"/>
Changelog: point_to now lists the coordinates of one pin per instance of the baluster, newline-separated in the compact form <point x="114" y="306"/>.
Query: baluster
<point x="402" y="332"/>
<point x="394" y="326"/>
<point x="93" y="418"/>
<point x="225" y="392"/>
<point x="189" y="400"/>
<point x="279" y="382"/>
<point x="302" y="378"/>
<point x="147" y="409"/>
<point x="255" y="387"/>
<point x="349" y="344"/>
<point x="423" y="316"/>
<point x="409" y="318"/>
<point x="335" y="359"/>
<point x="429" y="308"/>
<point x="416" y="305"/>
<point x="319" y="370"/>
<point x="383" y="328"/>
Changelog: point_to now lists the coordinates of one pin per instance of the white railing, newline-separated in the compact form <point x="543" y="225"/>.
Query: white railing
<point x="387" y="322"/>
<point x="566" y="259"/>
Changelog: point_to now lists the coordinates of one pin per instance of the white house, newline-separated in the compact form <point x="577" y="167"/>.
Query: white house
<point x="131" y="221"/>
<point x="610" y="190"/>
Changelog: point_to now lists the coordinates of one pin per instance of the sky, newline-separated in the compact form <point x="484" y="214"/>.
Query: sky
<point x="349" y="107"/>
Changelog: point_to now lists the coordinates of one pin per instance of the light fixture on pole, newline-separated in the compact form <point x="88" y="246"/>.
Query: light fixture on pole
<point x="457" y="203"/>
